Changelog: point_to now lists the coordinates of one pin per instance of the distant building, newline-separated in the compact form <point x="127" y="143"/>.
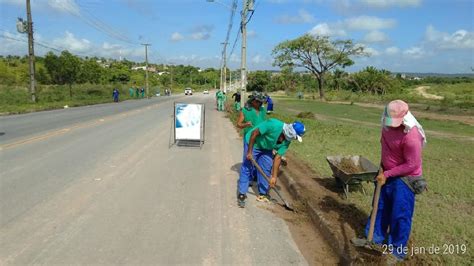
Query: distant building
<point x="163" y="72"/>
<point x="139" y="68"/>
<point x="150" y="68"/>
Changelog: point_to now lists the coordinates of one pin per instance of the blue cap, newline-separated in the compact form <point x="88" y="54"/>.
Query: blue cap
<point x="299" y="129"/>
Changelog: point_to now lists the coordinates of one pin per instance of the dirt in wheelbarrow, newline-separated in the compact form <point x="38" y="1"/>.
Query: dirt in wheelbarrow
<point x="349" y="167"/>
<point x="343" y="219"/>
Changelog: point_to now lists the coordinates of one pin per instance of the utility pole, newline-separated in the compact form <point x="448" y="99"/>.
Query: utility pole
<point x="225" y="66"/>
<point x="31" y="52"/>
<point x="220" y="79"/>
<point x="247" y="6"/>
<point x="146" y="66"/>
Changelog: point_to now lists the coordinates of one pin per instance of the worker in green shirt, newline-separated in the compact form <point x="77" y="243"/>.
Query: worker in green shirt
<point x="131" y="91"/>
<point x="270" y="135"/>
<point x="252" y="114"/>
<point x="220" y="100"/>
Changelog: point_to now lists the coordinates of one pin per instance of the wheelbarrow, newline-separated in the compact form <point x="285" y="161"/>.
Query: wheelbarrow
<point x="352" y="170"/>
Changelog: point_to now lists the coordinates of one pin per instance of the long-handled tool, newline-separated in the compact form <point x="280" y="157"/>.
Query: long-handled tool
<point x="368" y="243"/>
<point x="287" y="205"/>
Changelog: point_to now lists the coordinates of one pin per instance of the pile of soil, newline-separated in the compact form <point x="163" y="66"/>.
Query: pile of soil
<point x="348" y="166"/>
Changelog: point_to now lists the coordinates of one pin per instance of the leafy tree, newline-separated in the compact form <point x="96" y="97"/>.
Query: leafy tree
<point x="373" y="81"/>
<point x="258" y="81"/>
<point x="90" y="71"/>
<point x="52" y="64"/>
<point x="69" y="69"/>
<point x="318" y="54"/>
<point x="42" y="75"/>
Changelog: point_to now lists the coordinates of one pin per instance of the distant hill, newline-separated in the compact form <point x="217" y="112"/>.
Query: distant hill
<point x="409" y="74"/>
<point x="421" y="75"/>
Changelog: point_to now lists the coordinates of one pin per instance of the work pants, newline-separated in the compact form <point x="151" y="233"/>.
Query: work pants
<point x="264" y="159"/>
<point x="394" y="216"/>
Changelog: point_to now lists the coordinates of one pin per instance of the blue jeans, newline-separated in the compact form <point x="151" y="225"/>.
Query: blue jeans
<point x="394" y="216"/>
<point x="264" y="159"/>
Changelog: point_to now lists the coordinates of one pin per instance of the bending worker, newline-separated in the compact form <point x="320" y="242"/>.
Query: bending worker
<point x="402" y="141"/>
<point x="259" y="143"/>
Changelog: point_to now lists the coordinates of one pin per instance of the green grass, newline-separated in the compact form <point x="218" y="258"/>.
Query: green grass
<point x="458" y="97"/>
<point x="366" y="114"/>
<point x="17" y="99"/>
<point x="443" y="215"/>
<point x="461" y="94"/>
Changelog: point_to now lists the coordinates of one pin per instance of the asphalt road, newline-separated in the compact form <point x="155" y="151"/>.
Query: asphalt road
<point x="100" y="185"/>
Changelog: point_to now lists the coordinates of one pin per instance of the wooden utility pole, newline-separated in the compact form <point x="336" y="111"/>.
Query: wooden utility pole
<point x="225" y="66"/>
<point x="146" y="67"/>
<point x="31" y="52"/>
<point x="243" y="61"/>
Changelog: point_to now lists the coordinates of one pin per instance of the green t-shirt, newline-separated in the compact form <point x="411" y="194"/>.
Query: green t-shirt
<point x="250" y="115"/>
<point x="270" y="131"/>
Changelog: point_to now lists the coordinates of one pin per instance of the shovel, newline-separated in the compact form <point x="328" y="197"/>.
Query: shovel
<point x="368" y="243"/>
<point x="287" y="205"/>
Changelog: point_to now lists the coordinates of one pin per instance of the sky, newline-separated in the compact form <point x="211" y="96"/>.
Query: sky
<point x="435" y="36"/>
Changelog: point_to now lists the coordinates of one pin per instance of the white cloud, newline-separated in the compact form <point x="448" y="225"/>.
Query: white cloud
<point x="390" y="3"/>
<point x="176" y="37"/>
<point x="414" y="52"/>
<point x="16" y="44"/>
<point x="68" y="6"/>
<point x="393" y="50"/>
<point x="349" y="7"/>
<point x="324" y="29"/>
<point x="460" y="39"/>
<point x="376" y="36"/>
<point x="202" y="32"/>
<point x="369" y="50"/>
<point x="302" y="17"/>
<point x="369" y="23"/>
<point x="361" y="23"/>
<point x="73" y="44"/>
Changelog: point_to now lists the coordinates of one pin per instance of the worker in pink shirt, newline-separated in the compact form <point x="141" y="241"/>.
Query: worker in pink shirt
<point x="402" y="142"/>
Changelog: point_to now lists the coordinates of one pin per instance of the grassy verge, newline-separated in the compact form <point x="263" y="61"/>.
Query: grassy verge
<point x="443" y="215"/>
<point x="365" y="114"/>
<point x="14" y="100"/>
<point x="457" y="97"/>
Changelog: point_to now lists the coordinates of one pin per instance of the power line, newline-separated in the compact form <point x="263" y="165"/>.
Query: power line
<point x="235" y="42"/>
<point x="96" y="23"/>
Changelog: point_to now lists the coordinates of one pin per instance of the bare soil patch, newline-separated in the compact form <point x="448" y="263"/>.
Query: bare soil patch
<point x="309" y="240"/>
<point x="422" y="91"/>
<point x="345" y="220"/>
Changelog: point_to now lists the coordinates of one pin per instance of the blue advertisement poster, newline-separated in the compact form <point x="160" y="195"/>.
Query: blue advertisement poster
<point x="188" y="121"/>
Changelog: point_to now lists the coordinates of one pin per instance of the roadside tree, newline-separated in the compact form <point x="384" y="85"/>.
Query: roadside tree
<point x="318" y="54"/>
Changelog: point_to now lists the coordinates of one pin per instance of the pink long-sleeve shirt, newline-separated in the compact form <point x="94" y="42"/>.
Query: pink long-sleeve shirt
<point x="401" y="152"/>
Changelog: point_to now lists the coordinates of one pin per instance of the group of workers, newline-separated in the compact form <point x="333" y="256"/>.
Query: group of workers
<point x="221" y="98"/>
<point x="137" y="92"/>
<point x="265" y="141"/>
